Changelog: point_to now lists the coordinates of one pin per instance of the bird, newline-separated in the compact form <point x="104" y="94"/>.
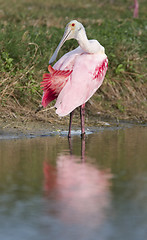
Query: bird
<point x="76" y="76"/>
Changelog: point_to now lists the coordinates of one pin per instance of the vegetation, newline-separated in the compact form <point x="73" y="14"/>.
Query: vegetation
<point x="30" y="32"/>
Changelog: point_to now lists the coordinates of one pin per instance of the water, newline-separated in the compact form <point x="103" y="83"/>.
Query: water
<point x="95" y="189"/>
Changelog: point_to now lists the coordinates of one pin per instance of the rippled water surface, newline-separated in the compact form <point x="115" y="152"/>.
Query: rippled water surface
<point x="92" y="189"/>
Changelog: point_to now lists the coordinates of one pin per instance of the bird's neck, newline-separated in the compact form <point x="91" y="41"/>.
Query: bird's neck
<point x="87" y="45"/>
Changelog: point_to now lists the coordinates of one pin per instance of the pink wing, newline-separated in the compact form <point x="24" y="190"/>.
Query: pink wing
<point x="53" y="83"/>
<point x="87" y="76"/>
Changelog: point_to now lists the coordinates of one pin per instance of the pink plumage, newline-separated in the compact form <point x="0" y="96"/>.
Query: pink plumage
<point x="73" y="83"/>
<point x="77" y="75"/>
<point x="52" y="84"/>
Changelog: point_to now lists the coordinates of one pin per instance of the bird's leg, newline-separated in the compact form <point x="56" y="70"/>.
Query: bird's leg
<point x="82" y="115"/>
<point x="70" y="123"/>
<point x="83" y="148"/>
<point x="70" y="145"/>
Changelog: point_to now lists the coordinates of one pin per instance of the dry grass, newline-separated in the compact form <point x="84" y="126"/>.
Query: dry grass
<point x="30" y="31"/>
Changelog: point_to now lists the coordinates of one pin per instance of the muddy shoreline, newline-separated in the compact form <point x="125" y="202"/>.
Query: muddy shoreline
<point x="26" y="123"/>
<point x="14" y="129"/>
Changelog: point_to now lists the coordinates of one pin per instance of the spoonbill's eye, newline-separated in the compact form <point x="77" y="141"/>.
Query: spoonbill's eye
<point x="73" y="24"/>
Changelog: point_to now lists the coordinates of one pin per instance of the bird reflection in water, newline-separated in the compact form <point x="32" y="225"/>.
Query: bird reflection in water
<point x="79" y="190"/>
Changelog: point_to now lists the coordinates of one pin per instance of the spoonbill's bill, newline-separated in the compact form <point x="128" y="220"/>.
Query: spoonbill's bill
<point x="76" y="76"/>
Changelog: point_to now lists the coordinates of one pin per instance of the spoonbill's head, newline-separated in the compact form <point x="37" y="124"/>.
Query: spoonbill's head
<point x="72" y="30"/>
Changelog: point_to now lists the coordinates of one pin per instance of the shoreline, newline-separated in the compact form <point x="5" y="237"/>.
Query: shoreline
<point x="32" y="129"/>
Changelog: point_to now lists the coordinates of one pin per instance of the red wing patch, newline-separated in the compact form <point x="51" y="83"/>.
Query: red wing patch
<point x="53" y="83"/>
<point x="100" y="70"/>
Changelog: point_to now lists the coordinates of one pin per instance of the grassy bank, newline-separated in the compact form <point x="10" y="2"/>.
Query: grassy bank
<point x="30" y="32"/>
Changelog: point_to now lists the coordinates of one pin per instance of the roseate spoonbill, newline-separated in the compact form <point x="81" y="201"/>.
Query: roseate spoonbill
<point x="76" y="76"/>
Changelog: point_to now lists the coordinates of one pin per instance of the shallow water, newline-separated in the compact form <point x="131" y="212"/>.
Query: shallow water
<point x="94" y="189"/>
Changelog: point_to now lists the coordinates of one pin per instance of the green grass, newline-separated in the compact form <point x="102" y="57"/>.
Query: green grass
<point x="31" y="30"/>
